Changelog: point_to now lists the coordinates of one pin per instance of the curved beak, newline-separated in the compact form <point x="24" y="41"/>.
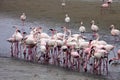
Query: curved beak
<point x="110" y="61"/>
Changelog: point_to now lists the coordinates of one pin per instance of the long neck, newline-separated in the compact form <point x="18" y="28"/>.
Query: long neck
<point x="97" y="38"/>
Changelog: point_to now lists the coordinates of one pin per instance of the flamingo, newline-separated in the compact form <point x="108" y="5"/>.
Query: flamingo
<point x="42" y="49"/>
<point x="114" y="32"/>
<point x="43" y="40"/>
<point x="30" y="42"/>
<point x="101" y="55"/>
<point x="115" y="58"/>
<point x="75" y="55"/>
<point x="23" y="18"/>
<point x="63" y="3"/>
<point x="82" y="28"/>
<point x="94" y="28"/>
<point x="104" y="6"/>
<point x="15" y="39"/>
<point x="67" y="19"/>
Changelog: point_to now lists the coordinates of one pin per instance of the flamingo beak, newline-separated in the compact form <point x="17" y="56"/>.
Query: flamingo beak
<point x="24" y="33"/>
<point x="51" y="29"/>
<point x="110" y="61"/>
<point x="19" y="31"/>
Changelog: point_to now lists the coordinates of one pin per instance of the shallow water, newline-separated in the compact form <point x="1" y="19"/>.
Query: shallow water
<point x="12" y="69"/>
<point x="21" y="70"/>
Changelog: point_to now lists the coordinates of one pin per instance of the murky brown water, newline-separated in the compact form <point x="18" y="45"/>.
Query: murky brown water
<point x="49" y="14"/>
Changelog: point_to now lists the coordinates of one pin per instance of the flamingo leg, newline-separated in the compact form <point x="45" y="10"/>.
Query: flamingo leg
<point x="12" y="50"/>
<point x="17" y="49"/>
<point x="107" y="65"/>
<point x="78" y="59"/>
<point x="24" y="53"/>
<point x="100" y="62"/>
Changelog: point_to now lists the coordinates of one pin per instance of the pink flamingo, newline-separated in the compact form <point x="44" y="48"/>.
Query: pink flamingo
<point x="75" y="56"/>
<point x="106" y="5"/>
<point x="115" y="58"/>
<point x="82" y="28"/>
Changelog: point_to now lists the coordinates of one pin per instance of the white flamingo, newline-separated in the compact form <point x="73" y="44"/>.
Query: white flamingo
<point x="82" y="28"/>
<point x="63" y="3"/>
<point x="67" y="19"/>
<point x="30" y="42"/>
<point x="114" y="32"/>
<point x="15" y="39"/>
<point x="23" y="18"/>
<point x="94" y="28"/>
<point x="30" y="39"/>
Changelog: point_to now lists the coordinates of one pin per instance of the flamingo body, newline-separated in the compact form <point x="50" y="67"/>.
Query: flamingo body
<point x="67" y="18"/>
<point x="94" y="27"/>
<point x="23" y="17"/>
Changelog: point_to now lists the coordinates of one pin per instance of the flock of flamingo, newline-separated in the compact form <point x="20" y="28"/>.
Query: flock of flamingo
<point x="74" y="51"/>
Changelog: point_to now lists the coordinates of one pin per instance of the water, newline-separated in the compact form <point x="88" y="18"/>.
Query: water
<point x="48" y="16"/>
<point x="19" y="70"/>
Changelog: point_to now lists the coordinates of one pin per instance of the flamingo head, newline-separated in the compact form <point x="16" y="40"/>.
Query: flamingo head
<point x="24" y="33"/>
<point x="18" y="31"/>
<point x="90" y="41"/>
<point x="66" y="15"/>
<point x="112" y="26"/>
<point x="23" y="13"/>
<point x="92" y="22"/>
<point x="81" y="23"/>
<point x="52" y="29"/>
